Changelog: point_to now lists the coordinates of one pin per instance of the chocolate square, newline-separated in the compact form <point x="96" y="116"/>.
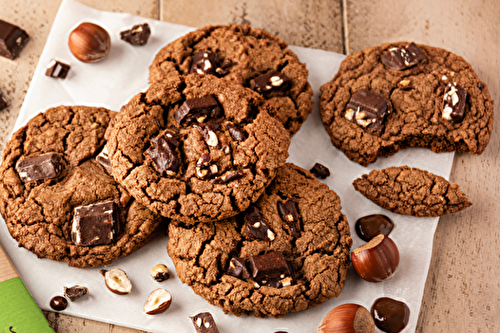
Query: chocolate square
<point x="367" y="109"/>
<point x="95" y="224"/>
<point x="12" y="40"/>
<point x="402" y="58"/>
<point x="271" y="270"/>
<point x="270" y="81"/>
<point x="57" y="69"/>
<point x="197" y="110"/>
<point x="40" y="167"/>
<point x="238" y="268"/>
<point x="454" y="103"/>
<point x="204" y="323"/>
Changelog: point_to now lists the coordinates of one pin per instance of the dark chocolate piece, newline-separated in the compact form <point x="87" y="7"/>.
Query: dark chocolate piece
<point x="205" y="63"/>
<point x="320" y="171"/>
<point x="103" y="159"/>
<point x="480" y="85"/>
<point x="204" y="169"/>
<point x="95" y="224"/>
<point x="224" y="179"/>
<point x="137" y="35"/>
<point x="204" y="323"/>
<point x="208" y="132"/>
<point x="367" y="109"/>
<point x="255" y="226"/>
<point x="402" y="58"/>
<point x="270" y="81"/>
<point x="390" y="316"/>
<point x="454" y="103"/>
<point x="12" y="40"/>
<point x="58" y="303"/>
<point x="271" y="270"/>
<point x="367" y="227"/>
<point x="75" y="292"/>
<point x="197" y="109"/>
<point x="3" y="102"/>
<point x="163" y="152"/>
<point x="238" y="268"/>
<point x="236" y="134"/>
<point x="44" y="166"/>
<point x="289" y="214"/>
<point x="57" y="69"/>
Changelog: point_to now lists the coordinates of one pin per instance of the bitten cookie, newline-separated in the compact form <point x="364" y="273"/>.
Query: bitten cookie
<point x="250" y="57"/>
<point x="401" y="95"/>
<point x="288" y="252"/>
<point x="196" y="148"/>
<point x="59" y="202"/>
<point x="411" y="191"/>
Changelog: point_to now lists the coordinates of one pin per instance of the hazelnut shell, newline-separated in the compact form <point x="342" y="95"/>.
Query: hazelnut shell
<point x="347" y="318"/>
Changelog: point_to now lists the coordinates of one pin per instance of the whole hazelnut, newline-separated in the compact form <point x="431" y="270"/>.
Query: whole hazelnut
<point x="347" y="318"/>
<point x="89" y="42"/>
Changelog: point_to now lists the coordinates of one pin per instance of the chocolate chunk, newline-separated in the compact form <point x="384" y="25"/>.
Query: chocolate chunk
<point x="208" y="132"/>
<point x="75" y="292"/>
<point x="289" y="214"/>
<point x="402" y="58"/>
<point x="236" y="134"/>
<point x="57" y="69"/>
<point x="390" y="315"/>
<point x="137" y="35"/>
<point x="454" y="103"/>
<point x="256" y="227"/>
<point x="271" y="270"/>
<point x="3" y="102"/>
<point x="103" y="159"/>
<point x="12" y="40"/>
<point x="367" y="109"/>
<point x="44" y="166"/>
<point x="95" y="224"/>
<point x="480" y="85"/>
<point x="204" y="323"/>
<point x="163" y="152"/>
<point x="205" y="63"/>
<point x="198" y="109"/>
<point x="204" y="169"/>
<point x="270" y="81"/>
<point x="238" y="268"/>
<point x="367" y="227"/>
<point x="320" y="171"/>
<point x="224" y="179"/>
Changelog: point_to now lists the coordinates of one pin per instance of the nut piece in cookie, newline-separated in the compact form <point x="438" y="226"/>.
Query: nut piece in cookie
<point x="163" y="152"/>
<point x="204" y="323"/>
<point x="367" y="109"/>
<point x="289" y="214"/>
<point x="95" y="224"/>
<point x="454" y="103"/>
<point x="271" y="270"/>
<point x="270" y="81"/>
<point x="238" y="268"/>
<point x="256" y="227"/>
<point x="44" y="166"/>
<point x="137" y="35"/>
<point x="75" y="292"/>
<point x="404" y="57"/>
<point x="197" y="109"/>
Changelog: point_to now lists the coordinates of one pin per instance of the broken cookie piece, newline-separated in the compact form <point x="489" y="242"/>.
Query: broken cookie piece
<point x="411" y="191"/>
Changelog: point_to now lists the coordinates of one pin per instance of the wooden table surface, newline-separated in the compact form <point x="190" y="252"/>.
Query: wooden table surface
<point x="462" y="293"/>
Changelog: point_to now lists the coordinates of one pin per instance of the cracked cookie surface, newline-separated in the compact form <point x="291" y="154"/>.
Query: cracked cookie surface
<point x="243" y="53"/>
<point x="411" y="191"/>
<point x="415" y="99"/>
<point x="220" y="164"/>
<point x="318" y="253"/>
<point x="39" y="214"/>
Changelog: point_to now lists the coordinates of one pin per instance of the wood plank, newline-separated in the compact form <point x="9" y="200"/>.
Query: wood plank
<point x="462" y="291"/>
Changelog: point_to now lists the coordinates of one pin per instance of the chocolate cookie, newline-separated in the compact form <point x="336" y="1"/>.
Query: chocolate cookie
<point x="196" y="148"/>
<point x="59" y="202"/>
<point x="250" y="57"/>
<point x="411" y="191"/>
<point x="288" y="252"/>
<point x="402" y="95"/>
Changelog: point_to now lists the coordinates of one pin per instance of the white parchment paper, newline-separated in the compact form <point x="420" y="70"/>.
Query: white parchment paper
<point x="111" y="83"/>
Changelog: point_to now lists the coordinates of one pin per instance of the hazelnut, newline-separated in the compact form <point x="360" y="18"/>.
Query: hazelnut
<point x="89" y="42"/>
<point x="158" y="302"/>
<point x="377" y="260"/>
<point x="160" y="273"/>
<point x="117" y="281"/>
<point x="347" y="318"/>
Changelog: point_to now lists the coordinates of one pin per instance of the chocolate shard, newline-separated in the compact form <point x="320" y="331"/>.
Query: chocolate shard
<point x="3" y="102"/>
<point x="75" y="292"/>
<point x="404" y="57"/>
<point x="95" y="224"/>
<point x="57" y="69"/>
<point x="204" y="323"/>
<point x="367" y="109"/>
<point x="208" y="132"/>
<point x="205" y="63"/>
<point x="137" y="35"/>
<point x="238" y="268"/>
<point x="40" y="167"/>
<point x="103" y="159"/>
<point x="226" y="178"/>
<point x="235" y="133"/>
<point x="197" y="109"/>
<point x="320" y="171"/>
<point x="255" y="226"/>
<point x="271" y="270"/>
<point x="163" y="152"/>
<point x="270" y="81"/>
<point x="454" y="103"/>
<point x="12" y="40"/>
<point x="289" y="215"/>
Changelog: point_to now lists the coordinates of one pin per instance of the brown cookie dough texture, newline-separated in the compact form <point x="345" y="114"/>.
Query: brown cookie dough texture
<point x="415" y="97"/>
<point x="250" y="53"/>
<point x="184" y="195"/>
<point x="39" y="214"/>
<point x="411" y="191"/>
<point x="319" y="255"/>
